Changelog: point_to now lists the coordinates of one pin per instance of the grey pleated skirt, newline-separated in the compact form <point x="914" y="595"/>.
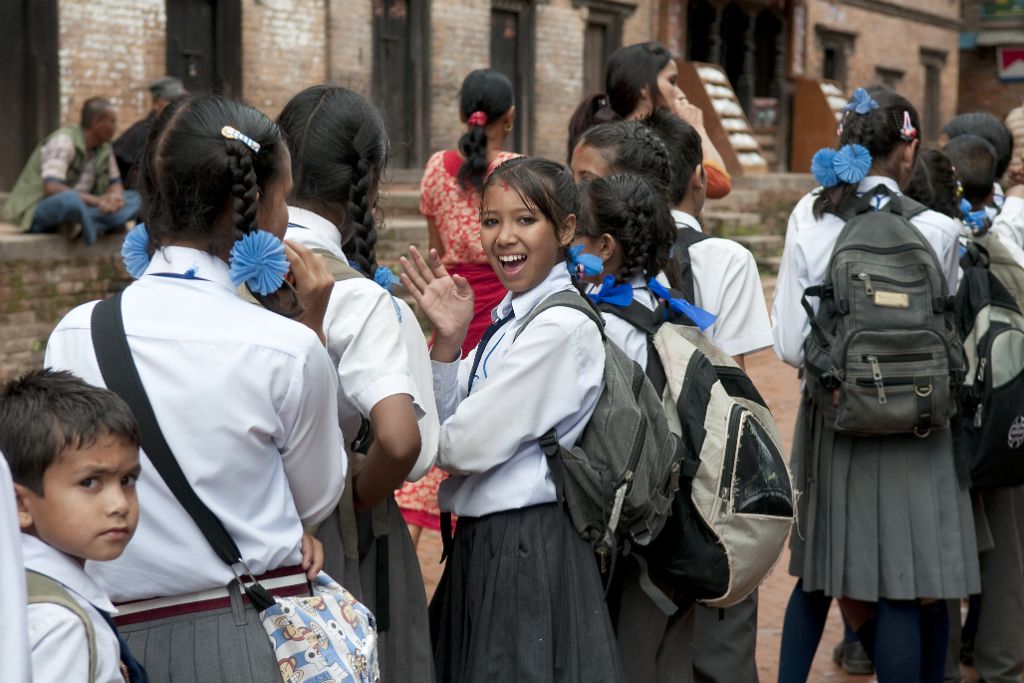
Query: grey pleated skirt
<point x="880" y="517"/>
<point x="521" y="600"/>
<point x="220" y="646"/>
<point x="404" y="648"/>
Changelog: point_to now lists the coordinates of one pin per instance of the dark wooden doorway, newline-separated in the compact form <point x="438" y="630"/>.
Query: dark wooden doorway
<point x="400" y="36"/>
<point x="512" y="55"/>
<point x="204" y="45"/>
<point x="29" y="76"/>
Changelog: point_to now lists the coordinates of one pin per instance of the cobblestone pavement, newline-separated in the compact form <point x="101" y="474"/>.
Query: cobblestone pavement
<point x="778" y="384"/>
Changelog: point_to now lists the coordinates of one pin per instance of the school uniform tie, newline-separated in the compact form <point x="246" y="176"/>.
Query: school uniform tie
<point x="129" y="665"/>
<point x="482" y="346"/>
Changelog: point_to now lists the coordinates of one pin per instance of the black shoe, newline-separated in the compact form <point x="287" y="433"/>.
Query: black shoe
<point x="853" y="658"/>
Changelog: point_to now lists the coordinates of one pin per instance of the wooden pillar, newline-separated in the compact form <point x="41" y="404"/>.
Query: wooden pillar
<point x="745" y="84"/>
<point x="715" y="54"/>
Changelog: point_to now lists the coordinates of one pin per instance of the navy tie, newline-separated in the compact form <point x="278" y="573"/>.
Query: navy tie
<point x="136" y="674"/>
<point x="494" y="327"/>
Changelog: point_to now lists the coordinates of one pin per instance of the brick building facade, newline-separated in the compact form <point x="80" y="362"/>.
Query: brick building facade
<point x="991" y="30"/>
<point x="409" y="56"/>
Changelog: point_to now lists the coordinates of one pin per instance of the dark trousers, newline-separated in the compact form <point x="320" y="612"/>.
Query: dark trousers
<point x="723" y="648"/>
<point x="68" y="207"/>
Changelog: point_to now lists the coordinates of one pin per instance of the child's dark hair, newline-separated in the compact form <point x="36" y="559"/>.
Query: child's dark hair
<point x="190" y="173"/>
<point x="630" y="69"/>
<point x="879" y="131"/>
<point x="628" y="208"/>
<point x="934" y="183"/>
<point x="974" y="160"/>
<point x="46" y="413"/>
<point x="631" y="147"/>
<point x="339" y="150"/>
<point x="685" y="150"/>
<point x="490" y="92"/>
<point x="545" y="186"/>
<point x="986" y="126"/>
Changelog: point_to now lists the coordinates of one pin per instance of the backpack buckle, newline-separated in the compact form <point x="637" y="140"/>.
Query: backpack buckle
<point x="549" y="444"/>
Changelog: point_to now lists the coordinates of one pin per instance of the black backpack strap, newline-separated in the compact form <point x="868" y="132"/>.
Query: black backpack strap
<point x="637" y="315"/>
<point x="569" y="299"/>
<point x="122" y="377"/>
<point x="686" y="237"/>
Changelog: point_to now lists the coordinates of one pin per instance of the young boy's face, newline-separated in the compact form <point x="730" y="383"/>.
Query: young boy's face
<point x="89" y="508"/>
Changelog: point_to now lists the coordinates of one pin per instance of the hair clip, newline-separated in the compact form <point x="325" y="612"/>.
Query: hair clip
<point x="230" y="133"/>
<point x="861" y="102"/>
<point x="477" y="118"/>
<point x="907" y="133"/>
<point x="581" y="264"/>
<point x="259" y="260"/>
<point x="848" y="165"/>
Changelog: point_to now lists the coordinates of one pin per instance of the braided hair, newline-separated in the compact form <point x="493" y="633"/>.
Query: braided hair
<point x="630" y="147"/>
<point x="879" y="131"/>
<point x="628" y="208"/>
<point x="339" y="152"/>
<point x="490" y="92"/>
<point x="190" y="174"/>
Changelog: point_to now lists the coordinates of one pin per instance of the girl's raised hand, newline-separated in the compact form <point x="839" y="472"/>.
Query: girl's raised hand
<point x="313" y="283"/>
<point x="446" y="299"/>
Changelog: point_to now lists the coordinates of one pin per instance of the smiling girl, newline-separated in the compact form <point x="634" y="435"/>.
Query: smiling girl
<point x="521" y="597"/>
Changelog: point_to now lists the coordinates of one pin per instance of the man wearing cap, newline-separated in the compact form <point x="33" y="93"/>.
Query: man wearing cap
<point x="72" y="179"/>
<point x="128" y="147"/>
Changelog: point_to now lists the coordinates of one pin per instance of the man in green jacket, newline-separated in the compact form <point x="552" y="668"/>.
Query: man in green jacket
<point x="72" y="178"/>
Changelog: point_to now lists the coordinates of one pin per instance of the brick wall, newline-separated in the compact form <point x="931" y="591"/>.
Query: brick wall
<point x="113" y="49"/>
<point x="43" y="277"/>
<point x="350" y="44"/>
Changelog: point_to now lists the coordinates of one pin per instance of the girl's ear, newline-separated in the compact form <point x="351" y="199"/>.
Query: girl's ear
<point x="606" y="246"/>
<point x="567" y="231"/>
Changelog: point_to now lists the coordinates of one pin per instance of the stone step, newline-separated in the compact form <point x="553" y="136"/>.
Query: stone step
<point x="398" y="234"/>
<point x="400" y="202"/>
<point x="762" y="246"/>
<point x="797" y="183"/>
<point x="740" y="199"/>
<point x="769" y="266"/>
<point x="731" y="223"/>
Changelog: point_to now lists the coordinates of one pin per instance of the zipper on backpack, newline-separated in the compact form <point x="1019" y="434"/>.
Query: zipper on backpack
<point x="898" y="357"/>
<point x="980" y="378"/>
<point x="866" y="279"/>
<point x="876" y="376"/>
<point x="977" y="415"/>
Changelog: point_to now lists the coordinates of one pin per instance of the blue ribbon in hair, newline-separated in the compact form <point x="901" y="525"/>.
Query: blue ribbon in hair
<point x="701" y="318"/>
<point x="384" y="277"/>
<point x="618" y="295"/>
<point x="581" y="264"/>
<point x="977" y="221"/>
<point x="258" y="260"/>
<point x="135" y="251"/>
<point x="861" y="102"/>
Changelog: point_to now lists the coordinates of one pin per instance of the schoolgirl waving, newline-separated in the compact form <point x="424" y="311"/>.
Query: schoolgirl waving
<point x="521" y="597"/>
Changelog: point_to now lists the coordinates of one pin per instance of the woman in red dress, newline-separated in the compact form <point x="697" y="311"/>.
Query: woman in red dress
<point x="450" y="201"/>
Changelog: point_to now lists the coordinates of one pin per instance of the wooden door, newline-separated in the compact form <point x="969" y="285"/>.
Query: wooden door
<point x="204" y="45"/>
<point x="511" y="54"/>
<point x="29" y="75"/>
<point x="399" y="63"/>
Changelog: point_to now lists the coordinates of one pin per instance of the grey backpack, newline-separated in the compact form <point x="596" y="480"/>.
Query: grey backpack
<point x="883" y="356"/>
<point x="618" y="482"/>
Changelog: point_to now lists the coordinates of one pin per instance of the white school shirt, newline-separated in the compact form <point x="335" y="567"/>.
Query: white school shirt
<point x="628" y="338"/>
<point x="550" y="377"/>
<point x="14" y="647"/>
<point x="809" y="244"/>
<point x="247" y="402"/>
<point x="726" y="283"/>
<point x="57" y="637"/>
<point x="375" y="342"/>
<point x="1009" y="222"/>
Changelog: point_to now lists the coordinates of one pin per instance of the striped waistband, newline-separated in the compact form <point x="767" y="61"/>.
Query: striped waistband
<point x="283" y="582"/>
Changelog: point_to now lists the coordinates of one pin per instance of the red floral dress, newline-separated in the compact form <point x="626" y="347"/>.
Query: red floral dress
<point x="456" y="212"/>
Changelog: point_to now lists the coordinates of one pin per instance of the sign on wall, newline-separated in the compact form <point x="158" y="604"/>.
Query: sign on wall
<point x="1010" y="63"/>
<point x="1002" y="9"/>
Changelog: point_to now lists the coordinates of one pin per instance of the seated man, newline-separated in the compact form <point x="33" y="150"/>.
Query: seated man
<point x="72" y="178"/>
<point x="128" y="146"/>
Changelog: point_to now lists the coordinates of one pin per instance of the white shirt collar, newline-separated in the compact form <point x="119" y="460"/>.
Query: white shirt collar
<point x="181" y="260"/>
<point x="319" y="227"/>
<point x="45" y="559"/>
<point x="521" y="305"/>
<point x="685" y="220"/>
<point x="872" y="181"/>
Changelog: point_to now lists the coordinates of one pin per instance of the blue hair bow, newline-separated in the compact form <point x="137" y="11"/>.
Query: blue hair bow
<point x="701" y="318"/>
<point x="618" y="295"/>
<point x="135" y="251"/>
<point x="581" y="264"/>
<point x="977" y="221"/>
<point x="850" y="164"/>
<point x="861" y="102"/>
<point x="384" y="277"/>
<point x="258" y="260"/>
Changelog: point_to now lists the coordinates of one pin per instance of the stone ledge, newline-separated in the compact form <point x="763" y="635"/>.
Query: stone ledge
<point x="20" y="246"/>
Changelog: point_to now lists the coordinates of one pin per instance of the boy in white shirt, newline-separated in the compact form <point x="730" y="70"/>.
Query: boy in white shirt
<point x="73" y="451"/>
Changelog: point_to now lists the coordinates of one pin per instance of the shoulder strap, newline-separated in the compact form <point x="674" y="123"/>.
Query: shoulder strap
<point x="899" y="204"/>
<point x="569" y="299"/>
<point x="686" y="238"/>
<point x="637" y="315"/>
<point x="339" y="269"/>
<point x="122" y="377"/>
<point x="42" y="589"/>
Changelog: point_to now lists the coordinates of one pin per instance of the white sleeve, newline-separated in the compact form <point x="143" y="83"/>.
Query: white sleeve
<point x="547" y="374"/>
<point x="790" y="325"/>
<point x="313" y="454"/>
<point x="1009" y="222"/>
<point x="422" y="375"/>
<point x="60" y="646"/>
<point x="14" y="648"/>
<point x="742" y="325"/>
